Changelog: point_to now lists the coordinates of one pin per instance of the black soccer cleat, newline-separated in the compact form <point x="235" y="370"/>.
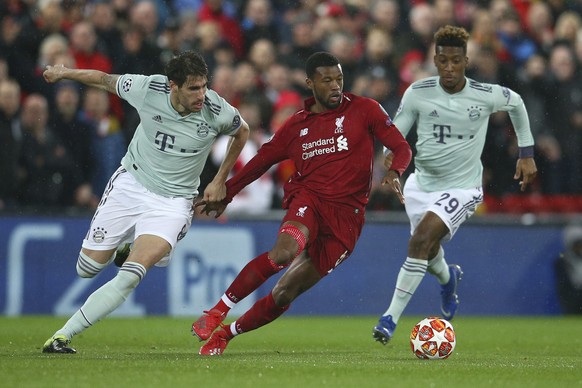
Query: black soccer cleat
<point x="58" y="344"/>
<point x="122" y="254"/>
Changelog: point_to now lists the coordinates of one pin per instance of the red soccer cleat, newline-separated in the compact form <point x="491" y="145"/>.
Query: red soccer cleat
<point x="216" y="344"/>
<point x="207" y="323"/>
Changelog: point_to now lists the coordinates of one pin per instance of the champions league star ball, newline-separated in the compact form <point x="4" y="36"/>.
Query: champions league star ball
<point x="433" y="338"/>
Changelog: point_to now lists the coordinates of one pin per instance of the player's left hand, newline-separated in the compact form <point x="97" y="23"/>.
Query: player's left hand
<point x="54" y="73"/>
<point x="525" y="170"/>
<point x="393" y="180"/>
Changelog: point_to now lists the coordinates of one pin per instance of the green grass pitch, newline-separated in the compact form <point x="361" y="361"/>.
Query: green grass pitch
<point x="294" y="352"/>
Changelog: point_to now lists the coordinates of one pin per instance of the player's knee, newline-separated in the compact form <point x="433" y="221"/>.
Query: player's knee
<point x="287" y="254"/>
<point x="87" y="267"/>
<point x="421" y="246"/>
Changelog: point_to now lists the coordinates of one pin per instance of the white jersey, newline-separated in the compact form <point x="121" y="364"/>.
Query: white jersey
<point x="168" y="152"/>
<point x="451" y="129"/>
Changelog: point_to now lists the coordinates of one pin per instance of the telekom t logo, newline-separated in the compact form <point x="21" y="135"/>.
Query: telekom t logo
<point x="167" y="141"/>
<point x="439" y="132"/>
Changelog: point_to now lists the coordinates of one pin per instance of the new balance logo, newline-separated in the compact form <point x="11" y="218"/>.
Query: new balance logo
<point x="342" y="143"/>
<point x="434" y="113"/>
<point x="303" y="132"/>
<point x="157" y="118"/>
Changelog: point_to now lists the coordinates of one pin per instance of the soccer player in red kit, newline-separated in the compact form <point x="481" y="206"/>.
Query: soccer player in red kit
<point x="331" y="142"/>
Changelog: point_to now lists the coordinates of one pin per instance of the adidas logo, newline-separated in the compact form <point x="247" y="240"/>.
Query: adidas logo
<point x="157" y="118"/>
<point x="434" y="113"/>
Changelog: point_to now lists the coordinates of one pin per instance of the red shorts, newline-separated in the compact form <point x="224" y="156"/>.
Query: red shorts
<point x="333" y="229"/>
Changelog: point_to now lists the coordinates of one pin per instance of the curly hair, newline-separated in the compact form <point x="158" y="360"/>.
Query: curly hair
<point x="451" y="36"/>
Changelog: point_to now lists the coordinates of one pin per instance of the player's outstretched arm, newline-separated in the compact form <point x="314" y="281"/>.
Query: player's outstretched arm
<point x="94" y="78"/>
<point x="525" y="170"/>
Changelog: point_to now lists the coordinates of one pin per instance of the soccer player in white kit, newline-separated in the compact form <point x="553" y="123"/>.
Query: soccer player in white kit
<point x="451" y="113"/>
<point x="149" y="198"/>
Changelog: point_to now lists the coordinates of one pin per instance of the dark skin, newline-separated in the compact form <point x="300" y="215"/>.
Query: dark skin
<point x="326" y="86"/>
<point x="424" y="244"/>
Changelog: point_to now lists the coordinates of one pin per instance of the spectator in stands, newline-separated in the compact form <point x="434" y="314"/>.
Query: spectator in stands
<point x="214" y="10"/>
<point x="208" y="40"/>
<point x="303" y="44"/>
<point x="540" y="24"/>
<point x="514" y="39"/>
<point x="106" y="23"/>
<point x="378" y="53"/>
<point x="277" y="80"/>
<point x="386" y="15"/>
<point x="50" y="175"/>
<point x="144" y="16"/>
<point x="422" y="28"/>
<point x="83" y="46"/>
<point x="10" y="142"/>
<point x="568" y="269"/>
<point x="140" y="55"/>
<point x="248" y="86"/>
<point x="262" y="55"/>
<point x="75" y="133"/>
<point x="259" y="23"/>
<point x="567" y="26"/>
<point x="108" y="141"/>
<point x="565" y="113"/>
<point x="344" y="46"/>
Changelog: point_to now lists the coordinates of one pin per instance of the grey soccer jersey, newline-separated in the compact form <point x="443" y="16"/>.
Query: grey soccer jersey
<point x="168" y="151"/>
<point x="451" y="129"/>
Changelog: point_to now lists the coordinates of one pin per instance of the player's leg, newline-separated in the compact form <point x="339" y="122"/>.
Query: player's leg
<point x="453" y="207"/>
<point x="424" y="243"/>
<point x="159" y="218"/>
<point x="291" y="241"/>
<point x="300" y="276"/>
<point x="146" y="252"/>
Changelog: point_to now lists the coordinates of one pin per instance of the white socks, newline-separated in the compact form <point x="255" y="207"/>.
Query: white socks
<point x="438" y="267"/>
<point x="105" y="299"/>
<point x="410" y="275"/>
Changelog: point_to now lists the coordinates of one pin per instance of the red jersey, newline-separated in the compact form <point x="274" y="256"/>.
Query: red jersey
<point x="333" y="151"/>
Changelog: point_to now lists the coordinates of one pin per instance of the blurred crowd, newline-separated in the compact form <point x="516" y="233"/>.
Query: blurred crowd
<point x="59" y="143"/>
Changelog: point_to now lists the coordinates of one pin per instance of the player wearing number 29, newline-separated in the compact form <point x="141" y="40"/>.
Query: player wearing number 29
<point x="331" y="142"/>
<point x="149" y="199"/>
<point x="451" y="113"/>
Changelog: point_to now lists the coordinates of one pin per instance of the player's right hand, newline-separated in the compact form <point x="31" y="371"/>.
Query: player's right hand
<point x="392" y="179"/>
<point x="54" y="74"/>
<point x="208" y="207"/>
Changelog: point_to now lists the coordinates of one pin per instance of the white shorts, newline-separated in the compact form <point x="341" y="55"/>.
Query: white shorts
<point x="128" y="210"/>
<point x="452" y="206"/>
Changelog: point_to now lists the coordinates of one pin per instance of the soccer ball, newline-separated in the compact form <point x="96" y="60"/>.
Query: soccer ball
<point x="433" y="338"/>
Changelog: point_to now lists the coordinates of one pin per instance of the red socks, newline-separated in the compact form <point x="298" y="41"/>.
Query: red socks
<point x="263" y="311"/>
<point x="255" y="273"/>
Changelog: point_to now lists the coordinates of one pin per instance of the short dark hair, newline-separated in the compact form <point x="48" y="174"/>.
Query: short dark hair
<point x="451" y="36"/>
<point x="188" y="63"/>
<point x="319" y="59"/>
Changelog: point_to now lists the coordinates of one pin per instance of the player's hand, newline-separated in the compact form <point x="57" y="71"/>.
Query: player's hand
<point x="393" y="180"/>
<point x="209" y="207"/>
<point x="525" y="170"/>
<point x="214" y="192"/>
<point x="388" y="159"/>
<point x="54" y="74"/>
